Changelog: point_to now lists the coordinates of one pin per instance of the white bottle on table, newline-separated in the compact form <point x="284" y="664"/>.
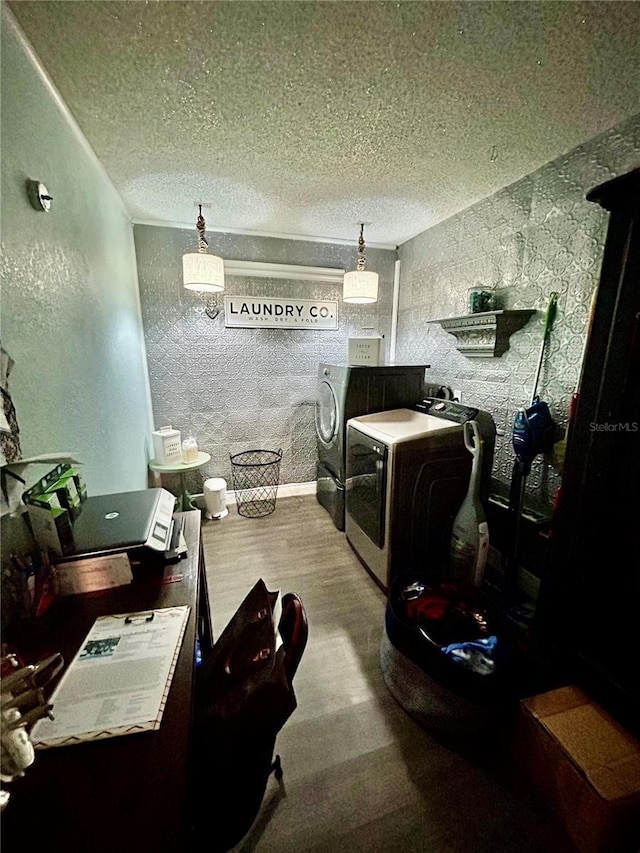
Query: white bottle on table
<point x="189" y="450"/>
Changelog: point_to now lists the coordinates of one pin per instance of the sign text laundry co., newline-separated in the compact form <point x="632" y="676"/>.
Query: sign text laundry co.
<point x="254" y="311"/>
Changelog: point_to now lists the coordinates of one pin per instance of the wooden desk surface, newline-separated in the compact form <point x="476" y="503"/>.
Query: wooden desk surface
<point x="125" y="793"/>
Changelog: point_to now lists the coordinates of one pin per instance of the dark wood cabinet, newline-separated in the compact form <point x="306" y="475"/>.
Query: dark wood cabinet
<point x="589" y="609"/>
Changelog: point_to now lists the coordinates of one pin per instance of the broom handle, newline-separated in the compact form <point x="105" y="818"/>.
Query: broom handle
<point x="548" y="323"/>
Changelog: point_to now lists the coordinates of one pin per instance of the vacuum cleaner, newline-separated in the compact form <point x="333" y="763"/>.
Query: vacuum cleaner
<point x="470" y="535"/>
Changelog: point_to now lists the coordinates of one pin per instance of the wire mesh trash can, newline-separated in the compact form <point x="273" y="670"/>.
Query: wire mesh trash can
<point x="255" y="480"/>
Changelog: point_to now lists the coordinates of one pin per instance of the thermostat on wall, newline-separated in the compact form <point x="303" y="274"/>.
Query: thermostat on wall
<point x="366" y="350"/>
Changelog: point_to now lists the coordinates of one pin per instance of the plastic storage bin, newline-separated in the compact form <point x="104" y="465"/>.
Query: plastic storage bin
<point x="255" y="480"/>
<point x="437" y="692"/>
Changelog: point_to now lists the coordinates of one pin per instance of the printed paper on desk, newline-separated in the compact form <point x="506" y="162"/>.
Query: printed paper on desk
<point x="119" y="680"/>
<point x="93" y="574"/>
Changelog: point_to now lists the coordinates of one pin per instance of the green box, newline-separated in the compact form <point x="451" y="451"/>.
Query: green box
<point x="66" y="483"/>
<point x="67" y="490"/>
<point x="46" y="500"/>
<point x="53" y="503"/>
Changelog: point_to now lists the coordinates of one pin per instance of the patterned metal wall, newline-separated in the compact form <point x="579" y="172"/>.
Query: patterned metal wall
<point x="239" y="389"/>
<point x="236" y="389"/>
<point x="531" y="238"/>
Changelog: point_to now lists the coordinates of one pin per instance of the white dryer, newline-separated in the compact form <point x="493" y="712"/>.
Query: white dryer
<point x="407" y="472"/>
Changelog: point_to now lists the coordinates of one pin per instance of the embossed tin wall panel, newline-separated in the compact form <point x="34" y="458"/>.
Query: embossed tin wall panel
<point x="533" y="237"/>
<point x="239" y="389"/>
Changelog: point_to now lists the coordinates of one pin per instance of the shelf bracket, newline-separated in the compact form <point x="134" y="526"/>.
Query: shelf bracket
<point x="486" y="334"/>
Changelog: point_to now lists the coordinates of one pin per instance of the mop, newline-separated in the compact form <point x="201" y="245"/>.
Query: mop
<point x="531" y="434"/>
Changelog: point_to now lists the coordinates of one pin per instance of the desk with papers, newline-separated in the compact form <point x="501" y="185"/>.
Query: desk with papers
<point x="118" y="793"/>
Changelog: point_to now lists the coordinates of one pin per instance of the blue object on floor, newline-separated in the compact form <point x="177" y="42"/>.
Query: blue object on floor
<point x="476" y="655"/>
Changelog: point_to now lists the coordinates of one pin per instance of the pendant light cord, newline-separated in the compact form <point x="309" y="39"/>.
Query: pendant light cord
<point x="361" y="257"/>
<point x="200" y="226"/>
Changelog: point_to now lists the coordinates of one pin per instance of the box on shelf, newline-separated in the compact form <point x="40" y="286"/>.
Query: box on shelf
<point x="51" y="527"/>
<point x="66" y="482"/>
<point x="52" y="504"/>
<point x="367" y="350"/>
<point x="167" y="447"/>
<point x="70" y="488"/>
<point x="585" y="766"/>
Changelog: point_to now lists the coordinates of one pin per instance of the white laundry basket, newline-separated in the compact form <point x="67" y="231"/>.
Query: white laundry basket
<point x="215" y="497"/>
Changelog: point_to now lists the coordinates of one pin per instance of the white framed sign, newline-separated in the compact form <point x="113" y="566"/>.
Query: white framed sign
<point x="250" y="312"/>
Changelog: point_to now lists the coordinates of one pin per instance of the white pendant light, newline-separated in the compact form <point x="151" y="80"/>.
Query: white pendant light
<point x="200" y="270"/>
<point x="360" y="286"/>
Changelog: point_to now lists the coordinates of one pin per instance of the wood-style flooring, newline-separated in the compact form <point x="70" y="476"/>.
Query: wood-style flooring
<point x="359" y="773"/>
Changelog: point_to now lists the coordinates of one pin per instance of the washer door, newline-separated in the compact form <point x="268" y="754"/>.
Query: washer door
<point x="327" y="417"/>
<point x="367" y="484"/>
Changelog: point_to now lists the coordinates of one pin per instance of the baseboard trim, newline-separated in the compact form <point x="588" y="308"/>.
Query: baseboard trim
<point x="286" y="490"/>
<point x="291" y="490"/>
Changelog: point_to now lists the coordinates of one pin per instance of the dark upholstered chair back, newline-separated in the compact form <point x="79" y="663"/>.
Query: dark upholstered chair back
<point x="294" y="631"/>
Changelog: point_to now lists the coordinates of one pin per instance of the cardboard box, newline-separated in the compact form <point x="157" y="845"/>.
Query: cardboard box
<point x="70" y="490"/>
<point x="64" y="480"/>
<point x="585" y="766"/>
<point x="366" y="350"/>
<point x="53" y="503"/>
<point x="51" y="528"/>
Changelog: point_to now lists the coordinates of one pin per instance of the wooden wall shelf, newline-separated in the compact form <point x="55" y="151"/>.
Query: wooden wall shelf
<point x="486" y="334"/>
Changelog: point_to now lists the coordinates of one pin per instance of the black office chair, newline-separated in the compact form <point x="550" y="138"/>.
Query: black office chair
<point x="234" y="756"/>
<point x="294" y="630"/>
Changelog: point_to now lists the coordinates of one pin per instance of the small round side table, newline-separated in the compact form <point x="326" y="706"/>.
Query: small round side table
<point x="184" y="500"/>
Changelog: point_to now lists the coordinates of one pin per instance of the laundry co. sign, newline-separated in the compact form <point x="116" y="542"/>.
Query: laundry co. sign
<point x="257" y="311"/>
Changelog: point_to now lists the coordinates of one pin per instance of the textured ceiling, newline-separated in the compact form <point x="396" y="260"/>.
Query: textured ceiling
<point x="307" y="117"/>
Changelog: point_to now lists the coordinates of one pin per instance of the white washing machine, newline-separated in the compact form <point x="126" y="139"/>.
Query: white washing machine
<point x="407" y="472"/>
<point x="344" y="392"/>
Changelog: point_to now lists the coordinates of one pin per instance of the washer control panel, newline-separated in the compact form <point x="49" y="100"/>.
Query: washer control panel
<point x="446" y="409"/>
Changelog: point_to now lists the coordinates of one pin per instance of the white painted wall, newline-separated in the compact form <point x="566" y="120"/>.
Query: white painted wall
<point x="70" y="305"/>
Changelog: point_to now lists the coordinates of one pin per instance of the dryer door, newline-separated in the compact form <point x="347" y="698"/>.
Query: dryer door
<point x="327" y="414"/>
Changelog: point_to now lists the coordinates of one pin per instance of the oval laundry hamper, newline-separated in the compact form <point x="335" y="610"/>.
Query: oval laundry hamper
<point x="256" y="474"/>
